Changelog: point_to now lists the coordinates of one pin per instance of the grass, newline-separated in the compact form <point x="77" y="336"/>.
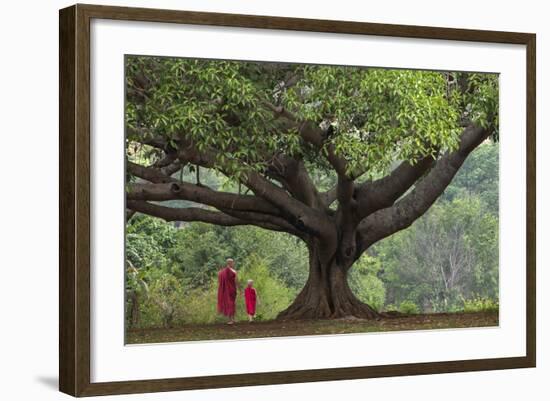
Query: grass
<point x="276" y="328"/>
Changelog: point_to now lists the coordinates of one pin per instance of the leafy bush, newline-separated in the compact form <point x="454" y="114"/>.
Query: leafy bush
<point x="480" y="305"/>
<point x="408" y="307"/>
<point x="147" y="240"/>
<point x="365" y="284"/>
<point x="165" y="305"/>
<point x="200" y="305"/>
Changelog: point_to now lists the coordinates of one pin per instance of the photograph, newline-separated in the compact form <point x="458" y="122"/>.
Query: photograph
<point x="271" y="199"/>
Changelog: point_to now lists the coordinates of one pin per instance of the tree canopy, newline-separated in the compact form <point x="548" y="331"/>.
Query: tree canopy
<point x="249" y="112"/>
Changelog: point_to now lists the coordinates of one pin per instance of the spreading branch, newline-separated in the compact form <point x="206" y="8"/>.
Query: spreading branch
<point x="184" y="214"/>
<point x="403" y="213"/>
<point x="293" y="210"/>
<point x="150" y="174"/>
<point x="382" y="193"/>
<point x="190" y="214"/>
<point x="198" y="194"/>
<point x="295" y="178"/>
<point x="312" y="134"/>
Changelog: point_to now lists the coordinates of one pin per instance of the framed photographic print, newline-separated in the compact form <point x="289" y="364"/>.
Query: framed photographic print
<point x="250" y="200"/>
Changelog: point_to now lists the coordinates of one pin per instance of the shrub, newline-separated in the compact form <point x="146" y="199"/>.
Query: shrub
<point x="408" y="307"/>
<point x="200" y="305"/>
<point x="480" y="305"/>
<point x="365" y="283"/>
<point x="165" y="304"/>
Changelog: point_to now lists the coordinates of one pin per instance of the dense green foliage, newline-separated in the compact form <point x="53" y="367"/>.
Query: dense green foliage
<point x="478" y="177"/>
<point x="376" y="116"/>
<point x="446" y="261"/>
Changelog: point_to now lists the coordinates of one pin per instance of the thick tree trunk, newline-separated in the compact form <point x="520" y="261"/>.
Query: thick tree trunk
<point x="327" y="294"/>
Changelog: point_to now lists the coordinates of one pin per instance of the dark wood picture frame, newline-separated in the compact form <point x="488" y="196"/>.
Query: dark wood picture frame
<point x="74" y="204"/>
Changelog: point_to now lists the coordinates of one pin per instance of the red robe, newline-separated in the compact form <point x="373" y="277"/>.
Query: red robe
<point x="227" y="291"/>
<point x="250" y="300"/>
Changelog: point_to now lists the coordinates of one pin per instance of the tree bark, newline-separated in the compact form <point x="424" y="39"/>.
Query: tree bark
<point x="326" y="294"/>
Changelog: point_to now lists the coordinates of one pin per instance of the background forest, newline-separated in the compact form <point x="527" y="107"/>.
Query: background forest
<point x="447" y="261"/>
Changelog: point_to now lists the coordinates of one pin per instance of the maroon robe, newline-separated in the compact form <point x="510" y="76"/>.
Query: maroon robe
<point x="250" y="300"/>
<point x="227" y="291"/>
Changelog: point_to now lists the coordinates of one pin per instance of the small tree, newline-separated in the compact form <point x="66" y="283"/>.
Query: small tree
<point x="339" y="157"/>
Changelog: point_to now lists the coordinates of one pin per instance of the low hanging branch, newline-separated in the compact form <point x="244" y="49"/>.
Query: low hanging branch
<point x="291" y="208"/>
<point x="199" y="194"/>
<point x="184" y="214"/>
<point x="229" y="219"/>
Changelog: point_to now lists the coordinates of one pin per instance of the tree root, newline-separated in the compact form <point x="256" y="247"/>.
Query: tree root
<point x="351" y="307"/>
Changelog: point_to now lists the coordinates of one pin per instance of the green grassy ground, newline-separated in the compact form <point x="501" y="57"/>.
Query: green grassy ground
<point x="275" y="328"/>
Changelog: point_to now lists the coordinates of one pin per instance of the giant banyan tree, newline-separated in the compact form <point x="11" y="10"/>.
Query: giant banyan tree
<point x="340" y="157"/>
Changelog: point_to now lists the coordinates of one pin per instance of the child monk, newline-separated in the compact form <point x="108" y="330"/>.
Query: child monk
<point x="250" y="297"/>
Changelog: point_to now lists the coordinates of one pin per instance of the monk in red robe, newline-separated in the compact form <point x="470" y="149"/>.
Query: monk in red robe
<point x="250" y="298"/>
<point x="227" y="291"/>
